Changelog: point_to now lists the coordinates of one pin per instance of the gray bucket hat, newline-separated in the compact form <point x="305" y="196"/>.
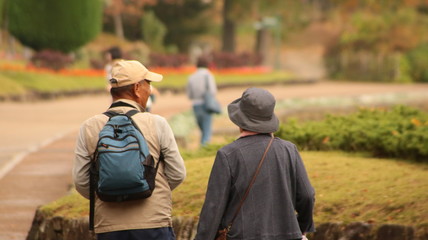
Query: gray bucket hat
<point x="254" y="111"/>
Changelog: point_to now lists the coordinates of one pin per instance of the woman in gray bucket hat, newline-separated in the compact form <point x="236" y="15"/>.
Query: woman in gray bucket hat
<point x="254" y="111"/>
<point x="265" y="209"/>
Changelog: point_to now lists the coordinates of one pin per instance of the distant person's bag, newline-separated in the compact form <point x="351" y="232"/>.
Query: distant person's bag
<point x="210" y="102"/>
<point x="122" y="168"/>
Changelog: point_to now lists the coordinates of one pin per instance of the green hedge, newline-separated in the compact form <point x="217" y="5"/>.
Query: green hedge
<point x="401" y="132"/>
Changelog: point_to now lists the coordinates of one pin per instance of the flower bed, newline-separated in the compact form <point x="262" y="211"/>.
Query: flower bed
<point x="162" y="70"/>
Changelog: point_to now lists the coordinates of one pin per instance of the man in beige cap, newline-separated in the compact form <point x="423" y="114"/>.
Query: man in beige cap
<point x="148" y="218"/>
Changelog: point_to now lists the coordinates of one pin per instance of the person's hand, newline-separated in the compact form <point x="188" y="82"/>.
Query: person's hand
<point x="304" y="237"/>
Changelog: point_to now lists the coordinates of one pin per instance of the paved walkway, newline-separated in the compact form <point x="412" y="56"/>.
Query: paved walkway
<point x="38" y="140"/>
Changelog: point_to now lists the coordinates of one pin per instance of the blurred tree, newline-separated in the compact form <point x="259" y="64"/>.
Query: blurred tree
<point x="2" y="3"/>
<point x="153" y="31"/>
<point x="375" y="38"/>
<point x="373" y="5"/>
<point x="265" y="14"/>
<point x="1" y="20"/>
<point x="184" y="21"/>
<point x="117" y="9"/>
<point x="50" y="24"/>
<point x="386" y="32"/>
<point x="235" y="12"/>
<point x="229" y="26"/>
<point x="268" y="17"/>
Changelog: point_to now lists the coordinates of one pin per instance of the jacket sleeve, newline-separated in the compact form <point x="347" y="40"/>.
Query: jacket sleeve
<point x="305" y="197"/>
<point x="175" y="169"/>
<point x="216" y="199"/>
<point x="82" y="163"/>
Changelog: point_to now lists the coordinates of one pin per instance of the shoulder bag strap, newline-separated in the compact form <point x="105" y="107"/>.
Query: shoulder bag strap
<point x="207" y="83"/>
<point x="251" y="184"/>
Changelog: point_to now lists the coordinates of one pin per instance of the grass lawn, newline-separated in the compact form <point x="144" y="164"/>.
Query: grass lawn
<point x="348" y="188"/>
<point x="178" y="81"/>
<point x="9" y="86"/>
<point x="18" y="82"/>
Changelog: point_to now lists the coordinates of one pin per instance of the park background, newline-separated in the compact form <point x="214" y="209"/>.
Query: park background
<point x="366" y="158"/>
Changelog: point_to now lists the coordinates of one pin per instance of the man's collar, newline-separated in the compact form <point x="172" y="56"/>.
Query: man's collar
<point x="246" y="133"/>
<point x="131" y="102"/>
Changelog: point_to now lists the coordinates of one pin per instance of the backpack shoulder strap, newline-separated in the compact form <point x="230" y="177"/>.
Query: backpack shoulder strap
<point x="110" y="114"/>
<point x="131" y="113"/>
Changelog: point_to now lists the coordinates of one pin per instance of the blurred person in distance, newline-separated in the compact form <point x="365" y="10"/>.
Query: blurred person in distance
<point x="111" y="56"/>
<point x="200" y="81"/>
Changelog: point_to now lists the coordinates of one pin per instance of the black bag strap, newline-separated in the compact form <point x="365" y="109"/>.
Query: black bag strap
<point x="92" y="187"/>
<point x="91" y="203"/>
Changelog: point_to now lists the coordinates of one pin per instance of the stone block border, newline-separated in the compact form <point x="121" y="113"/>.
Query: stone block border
<point x="60" y="228"/>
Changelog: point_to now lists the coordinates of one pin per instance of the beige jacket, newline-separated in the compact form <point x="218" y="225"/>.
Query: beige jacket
<point x="153" y="212"/>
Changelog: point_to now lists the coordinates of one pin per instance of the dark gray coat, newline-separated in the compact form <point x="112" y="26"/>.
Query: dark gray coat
<point x="281" y="190"/>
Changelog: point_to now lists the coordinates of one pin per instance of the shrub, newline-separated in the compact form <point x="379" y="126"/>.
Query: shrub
<point x="364" y="65"/>
<point x="50" y="24"/>
<point x="401" y="132"/>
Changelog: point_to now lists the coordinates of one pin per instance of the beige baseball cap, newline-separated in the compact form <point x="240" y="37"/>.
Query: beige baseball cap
<point x="127" y="72"/>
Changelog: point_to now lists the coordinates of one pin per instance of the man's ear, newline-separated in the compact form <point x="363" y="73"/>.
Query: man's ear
<point x="137" y="91"/>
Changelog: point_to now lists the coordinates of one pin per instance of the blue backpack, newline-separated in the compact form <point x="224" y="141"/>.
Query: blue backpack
<point x="122" y="168"/>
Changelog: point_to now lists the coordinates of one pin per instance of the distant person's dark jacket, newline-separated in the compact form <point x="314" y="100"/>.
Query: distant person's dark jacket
<point x="281" y="190"/>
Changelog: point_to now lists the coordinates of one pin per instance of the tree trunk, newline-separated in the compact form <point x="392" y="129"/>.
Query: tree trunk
<point x="260" y="48"/>
<point x="118" y="26"/>
<point x="228" y="40"/>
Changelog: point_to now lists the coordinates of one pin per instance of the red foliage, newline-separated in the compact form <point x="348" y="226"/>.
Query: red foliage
<point x="223" y="60"/>
<point x="164" y="60"/>
<point x="51" y="59"/>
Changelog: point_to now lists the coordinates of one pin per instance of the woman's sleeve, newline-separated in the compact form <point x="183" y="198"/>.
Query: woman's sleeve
<point x="305" y="197"/>
<point x="216" y="199"/>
